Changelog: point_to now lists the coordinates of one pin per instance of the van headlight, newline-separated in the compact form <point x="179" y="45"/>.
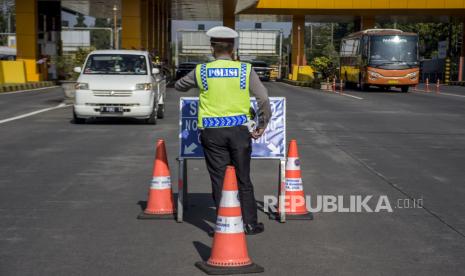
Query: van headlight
<point x="144" y="86"/>
<point x="81" y="86"/>
<point x="374" y="75"/>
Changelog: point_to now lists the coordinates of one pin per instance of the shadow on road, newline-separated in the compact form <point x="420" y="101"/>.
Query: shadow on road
<point x="55" y="101"/>
<point x="261" y="207"/>
<point x="115" y="121"/>
<point x="142" y="204"/>
<point x="203" y="250"/>
<point x="381" y="90"/>
<point x="200" y="211"/>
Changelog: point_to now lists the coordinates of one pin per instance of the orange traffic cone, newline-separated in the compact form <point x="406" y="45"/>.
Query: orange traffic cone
<point x="229" y="250"/>
<point x="295" y="206"/>
<point x="160" y="203"/>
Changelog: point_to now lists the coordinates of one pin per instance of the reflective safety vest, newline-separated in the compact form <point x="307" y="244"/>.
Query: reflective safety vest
<point x="224" y="99"/>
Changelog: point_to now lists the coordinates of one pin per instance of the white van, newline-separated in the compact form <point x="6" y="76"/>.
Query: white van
<point x="119" y="83"/>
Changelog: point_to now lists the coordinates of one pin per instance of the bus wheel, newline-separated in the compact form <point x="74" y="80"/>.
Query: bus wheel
<point x="349" y="85"/>
<point x="405" y="89"/>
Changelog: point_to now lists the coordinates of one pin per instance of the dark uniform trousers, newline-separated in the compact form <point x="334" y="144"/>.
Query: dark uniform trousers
<point x="230" y="146"/>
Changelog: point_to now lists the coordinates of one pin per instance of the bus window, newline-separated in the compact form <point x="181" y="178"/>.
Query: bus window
<point x="393" y="49"/>
<point x="356" y="49"/>
<point x="347" y="49"/>
<point x="365" y="46"/>
<point x="343" y="48"/>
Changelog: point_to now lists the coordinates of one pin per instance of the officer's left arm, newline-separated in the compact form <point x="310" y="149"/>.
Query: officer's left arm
<point x="259" y="91"/>
<point x="187" y="82"/>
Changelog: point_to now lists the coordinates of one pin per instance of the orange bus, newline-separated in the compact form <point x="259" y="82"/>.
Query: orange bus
<point x="380" y="57"/>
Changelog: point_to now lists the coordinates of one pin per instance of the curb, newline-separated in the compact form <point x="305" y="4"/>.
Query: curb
<point x="298" y="83"/>
<point x="457" y="83"/>
<point x="11" y="87"/>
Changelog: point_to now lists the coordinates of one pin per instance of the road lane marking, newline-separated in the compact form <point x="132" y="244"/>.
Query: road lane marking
<point x="62" y="105"/>
<point x="440" y="93"/>
<point x="348" y="95"/>
<point x="423" y="92"/>
<point x="448" y="94"/>
<point x="28" y="90"/>
<point x="319" y="90"/>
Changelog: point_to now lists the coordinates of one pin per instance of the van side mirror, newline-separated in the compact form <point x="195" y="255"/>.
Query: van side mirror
<point x="155" y="71"/>
<point x="77" y="69"/>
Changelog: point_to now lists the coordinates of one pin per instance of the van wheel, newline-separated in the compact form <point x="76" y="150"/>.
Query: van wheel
<point x="161" y="111"/>
<point x="152" y="120"/>
<point x="405" y="89"/>
<point x="77" y="120"/>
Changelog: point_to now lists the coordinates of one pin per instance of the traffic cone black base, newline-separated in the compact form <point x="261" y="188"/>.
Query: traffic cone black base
<point x="156" y="216"/>
<point x="218" y="270"/>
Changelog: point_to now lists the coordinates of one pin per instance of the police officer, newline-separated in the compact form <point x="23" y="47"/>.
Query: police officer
<point x="224" y="116"/>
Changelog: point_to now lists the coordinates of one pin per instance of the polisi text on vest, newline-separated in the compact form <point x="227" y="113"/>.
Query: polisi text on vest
<point x="223" y="72"/>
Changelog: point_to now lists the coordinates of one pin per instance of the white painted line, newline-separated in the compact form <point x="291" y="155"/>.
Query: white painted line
<point x="330" y="91"/>
<point x="422" y="92"/>
<point x="33" y="113"/>
<point x="440" y="93"/>
<point x="348" y="95"/>
<point x="448" y="94"/>
<point x="28" y="90"/>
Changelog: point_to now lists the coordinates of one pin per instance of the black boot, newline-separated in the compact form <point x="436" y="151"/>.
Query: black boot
<point x="211" y="232"/>
<point x="253" y="229"/>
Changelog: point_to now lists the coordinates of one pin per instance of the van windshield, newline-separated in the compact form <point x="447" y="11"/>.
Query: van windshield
<point x="116" y="64"/>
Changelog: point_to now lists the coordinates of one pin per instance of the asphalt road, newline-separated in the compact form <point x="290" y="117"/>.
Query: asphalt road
<point x="17" y="103"/>
<point x="70" y="194"/>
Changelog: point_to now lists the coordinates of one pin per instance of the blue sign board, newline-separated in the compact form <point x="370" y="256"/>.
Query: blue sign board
<point x="272" y="145"/>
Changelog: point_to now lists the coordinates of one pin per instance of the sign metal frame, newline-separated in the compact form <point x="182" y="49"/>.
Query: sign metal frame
<point x="183" y="187"/>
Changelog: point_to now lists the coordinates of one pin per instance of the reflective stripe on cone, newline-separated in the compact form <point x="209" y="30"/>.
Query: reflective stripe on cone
<point x="161" y="183"/>
<point x="160" y="200"/>
<point x="229" y="253"/>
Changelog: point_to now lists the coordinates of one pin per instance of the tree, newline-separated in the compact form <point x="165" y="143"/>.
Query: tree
<point x="430" y="34"/>
<point x="325" y="66"/>
<point x="7" y="20"/>
<point x="341" y="30"/>
<point x="66" y="63"/>
<point x="324" y="39"/>
<point x="101" y="39"/>
<point x="80" y="21"/>
<point x="330" y="52"/>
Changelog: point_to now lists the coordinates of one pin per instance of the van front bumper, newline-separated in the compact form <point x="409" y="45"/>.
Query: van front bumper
<point x="135" y="104"/>
<point x="88" y="111"/>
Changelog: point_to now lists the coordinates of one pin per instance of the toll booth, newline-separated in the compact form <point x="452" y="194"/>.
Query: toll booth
<point x="193" y="46"/>
<point x="263" y="45"/>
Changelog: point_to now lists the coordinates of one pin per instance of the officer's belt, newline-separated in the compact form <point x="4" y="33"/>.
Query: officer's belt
<point x="228" y="121"/>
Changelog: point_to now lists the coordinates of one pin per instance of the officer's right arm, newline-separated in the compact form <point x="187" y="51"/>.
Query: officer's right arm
<point x="187" y="82"/>
<point x="260" y="92"/>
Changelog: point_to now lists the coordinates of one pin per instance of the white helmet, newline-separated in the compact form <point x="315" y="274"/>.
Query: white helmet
<point x="221" y="32"/>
